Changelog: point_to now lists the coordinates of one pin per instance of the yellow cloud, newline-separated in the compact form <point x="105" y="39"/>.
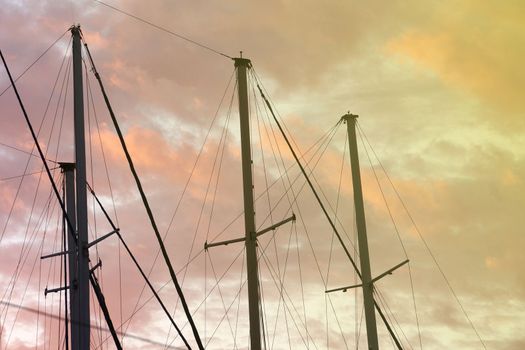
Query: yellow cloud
<point x="477" y="48"/>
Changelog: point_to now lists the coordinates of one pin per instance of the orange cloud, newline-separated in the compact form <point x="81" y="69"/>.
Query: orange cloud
<point x="482" y="57"/>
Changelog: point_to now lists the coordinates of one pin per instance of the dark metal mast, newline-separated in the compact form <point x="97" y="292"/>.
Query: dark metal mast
<point x="242" y="65"/>
<point x="366" y="275"/>
<point x="250" y="235"/>
<point x="81" y="198"/>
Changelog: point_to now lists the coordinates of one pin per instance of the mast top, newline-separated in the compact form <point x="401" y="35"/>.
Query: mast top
<point x="75" y="29"/>
<point x="348" y="116"/>
<point x="240" y="61"/>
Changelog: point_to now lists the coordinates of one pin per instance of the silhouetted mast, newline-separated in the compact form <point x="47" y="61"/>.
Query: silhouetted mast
<point x="243" y="65"/>
<point x="250" y="236"/>
<point x="366" y="275"/>
<point x="81" y="197"/>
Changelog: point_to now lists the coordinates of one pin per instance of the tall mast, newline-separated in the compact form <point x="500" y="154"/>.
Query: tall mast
<point x="242" y="66"/>
<point x="366" y="275"/>
<point x="81" y="196"/>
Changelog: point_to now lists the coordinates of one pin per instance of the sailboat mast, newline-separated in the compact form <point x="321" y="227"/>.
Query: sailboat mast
<point x="81" y="196"/>
<point x="242" y="66"/>
<point x="366" y="275"/>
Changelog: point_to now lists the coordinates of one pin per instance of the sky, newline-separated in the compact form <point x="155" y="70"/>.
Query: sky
<point x="438" y="89"/>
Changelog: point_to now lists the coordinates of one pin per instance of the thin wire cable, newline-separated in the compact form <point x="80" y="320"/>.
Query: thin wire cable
<point x="164" y="29"/>
<point x="42" y="156"/>
<point x="426" y="245"/>
<point x="186" y="186"/>
<point x="35" y="139"/>
<point x="110" y="187"/>
<point x="97" y="280"/>
<point x="26" y="152"/>
<point x="33" y="147"/>
<point x="44" y="216"/>
<point x="35" y="61"/>
<point x="146" y="204"/>
<point x="155" y="293"/>
<point x="335" y="213"/>
<point x="211" y="291"/>
<point x="396" y="229"/>
<point x="352" y="261"/>
<point x="221" y="296"/>
<point x="321" y="141"/>
<point x="295" y="199"/>
<point x="59" y="318"/>
<point x="26" y="174"/>
<point x="218" y="157"/>
<point x="298" y="315"/>
<point x="290" y="203"/>
<point x="241" y="279"/>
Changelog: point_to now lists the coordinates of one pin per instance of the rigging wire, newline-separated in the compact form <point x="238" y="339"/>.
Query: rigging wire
<point x="196" y="256"/>
<point x="155" y="294"/>
<point x="26" y="152"/>
<point x="66" y="270"/>
<point x="110" y="187"/>
<point x="146" y="204"/>
<point x="25" y="244"/>
<point x="42" y="156"/>
<point x="261" y="195"/>
<point x="96" y="282"/>
<point x="238" y="295"/>
<point x="164" y="30"/>
<point x="216" y="165"/>
<point x="90" y="100"/>
<point x="26" y="174"/>
<point x="184" y="191"/>
<point x="241" y="279"/>
<point x="295" y="199"/>
<point x="211" y="291"/>
<point x="281" y="294"/>
<point x="60" y="318"/>
<point x="323" y="208"/>
<point x="221" y="296"/>
<point x="320" y="140"/>
<point x="333" y="237"/>
<point x="218" y="157"/>
<point x="35" y="61"/>
<point x="33" y="147"/>
<point x="225" y="316"/>
<point x="427" y="247"/>
<point x="43" y="220"/>
<point x="298" y="315"/>
<point x="396" y="229"/>
<point x="285" y="313"/>
<point x="335" y="212"/>
<point x="35" y="139"/>
<point x="241" y="251"/>
<point x="290" y="203"/>
<point x="270" y="214"/>
<point x="222" y="141"/>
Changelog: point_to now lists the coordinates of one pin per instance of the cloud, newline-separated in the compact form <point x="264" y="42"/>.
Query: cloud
<point x="475" y="48"/>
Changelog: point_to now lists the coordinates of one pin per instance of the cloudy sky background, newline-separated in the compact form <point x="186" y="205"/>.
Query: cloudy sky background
<point x="438" y="87"/>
